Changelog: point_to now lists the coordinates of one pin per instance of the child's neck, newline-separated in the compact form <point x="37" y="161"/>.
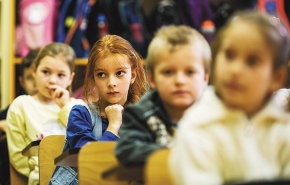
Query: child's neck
<point x="175" y="114"/>
<point x="43" y="100"/>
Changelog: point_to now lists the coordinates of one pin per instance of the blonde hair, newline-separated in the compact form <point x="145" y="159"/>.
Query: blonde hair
<point x="173" y="37"/>
<point x="57" y="50"/>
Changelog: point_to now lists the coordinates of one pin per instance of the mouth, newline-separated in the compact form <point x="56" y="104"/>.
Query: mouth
<point x="233" y="86"/>
<point x="179" y="92"/>
<point x="112" y="93"/>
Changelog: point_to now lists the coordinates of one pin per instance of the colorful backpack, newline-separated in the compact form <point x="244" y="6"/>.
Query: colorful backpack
<point x="73" y="24"/>
<point x="36" y="25"/>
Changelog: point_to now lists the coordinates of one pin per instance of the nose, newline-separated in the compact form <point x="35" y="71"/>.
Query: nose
<point x="180" y="78"/>
<point x="52" y="79"/>
<point x="236" y="67"/>
<point x="112" y="82"/>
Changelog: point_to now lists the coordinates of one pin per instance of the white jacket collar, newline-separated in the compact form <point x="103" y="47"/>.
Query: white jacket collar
<point x="209" y="109"/>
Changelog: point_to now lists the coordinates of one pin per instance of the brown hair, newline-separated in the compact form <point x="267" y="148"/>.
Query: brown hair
<point x="57" y="50"/>
<point x="270" y="27"/>
<point x="172" y="38"/>
<point x="111" y="45"/>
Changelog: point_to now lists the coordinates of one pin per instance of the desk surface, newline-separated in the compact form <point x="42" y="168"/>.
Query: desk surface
<point x="68" y="158"/>
<point x="124" y="173"/>
<point x="31" y="149"/>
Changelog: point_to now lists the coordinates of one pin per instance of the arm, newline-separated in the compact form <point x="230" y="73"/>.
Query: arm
<point x="79" y="128"/>
<point x="16" y="139"/>
<point x="136" y="140"/>
<point x="65" y="110"/>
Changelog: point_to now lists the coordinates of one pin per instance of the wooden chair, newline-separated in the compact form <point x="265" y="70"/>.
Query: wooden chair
<point x="93" y="159"/>
<point x="156" y="168"/>
<point x="16" y="178"/>
<point x="49" y="148"/>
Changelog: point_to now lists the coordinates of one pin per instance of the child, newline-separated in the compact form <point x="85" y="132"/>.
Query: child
<point x="114" y="78"/>
<point x="178" y="70"/>
<point x="235" y="132"/>
<point x="33" y="117"/>
<point x="27" y="83"/>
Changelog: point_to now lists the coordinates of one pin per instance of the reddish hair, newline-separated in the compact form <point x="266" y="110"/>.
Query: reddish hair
<point x="111" y="45"/>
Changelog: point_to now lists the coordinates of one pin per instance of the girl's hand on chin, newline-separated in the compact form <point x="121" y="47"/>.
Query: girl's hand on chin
<point x="59" y="95"/>
<point x="114" y="115"/>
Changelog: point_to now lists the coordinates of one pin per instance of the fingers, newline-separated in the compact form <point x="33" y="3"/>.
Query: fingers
<point x="59" y="94"/>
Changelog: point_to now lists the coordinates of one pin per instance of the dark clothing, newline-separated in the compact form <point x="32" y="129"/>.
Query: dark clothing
<point x="4" y="157"/>
<point x="146" y="127"/>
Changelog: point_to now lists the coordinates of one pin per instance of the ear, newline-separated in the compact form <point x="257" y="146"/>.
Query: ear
<point x="133" y="76"/>
<point x="206" y="79"/>
<point x="151" y="79"/>
<point x="71" y="78"/>
<point x="21" y="82"/>
<point x="33" y="71"/>
<point x="279" y="78"/>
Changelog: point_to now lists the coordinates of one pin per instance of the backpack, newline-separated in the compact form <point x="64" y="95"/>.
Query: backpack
<point x="73" y="24"/>
<point x="36" y="26"/>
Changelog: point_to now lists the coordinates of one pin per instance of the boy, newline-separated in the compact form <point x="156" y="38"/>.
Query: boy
<point x="178" y="70"/>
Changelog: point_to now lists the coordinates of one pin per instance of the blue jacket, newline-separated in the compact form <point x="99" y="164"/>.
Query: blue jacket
<point x="84" y="125"/>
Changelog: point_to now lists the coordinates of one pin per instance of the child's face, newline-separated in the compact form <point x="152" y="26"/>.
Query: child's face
<point x="113" y="76"/>
<point x="52" y="71"/>
<point x="27" y="81"/>
<point x="244" y="73"/>
<point x="179" y="77"/>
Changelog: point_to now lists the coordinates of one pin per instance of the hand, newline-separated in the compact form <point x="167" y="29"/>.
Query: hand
<point x="59" y="95"/>
<point x="2" y="126"/>
<point x="114" y="116"/>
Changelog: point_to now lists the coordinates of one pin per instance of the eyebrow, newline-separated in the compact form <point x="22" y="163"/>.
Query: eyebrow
<point x="120" y="68"/>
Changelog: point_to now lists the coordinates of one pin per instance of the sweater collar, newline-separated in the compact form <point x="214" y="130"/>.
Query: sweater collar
<point x="210" y="103"/>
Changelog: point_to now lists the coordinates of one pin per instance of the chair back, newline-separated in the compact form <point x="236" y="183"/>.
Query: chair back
<point x="156" y="168"/>
<point x="93" y="159"/>
<point x="49" y="148"/>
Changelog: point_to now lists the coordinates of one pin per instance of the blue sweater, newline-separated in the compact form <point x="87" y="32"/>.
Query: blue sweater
<point x="79" y="128"/>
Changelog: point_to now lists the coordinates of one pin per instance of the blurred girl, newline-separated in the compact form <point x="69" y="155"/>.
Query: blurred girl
<point x="236" y="132"/>
<point x="46" y="113"/>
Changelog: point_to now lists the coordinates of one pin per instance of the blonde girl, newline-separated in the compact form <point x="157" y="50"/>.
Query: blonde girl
<point x="46" y="113"/>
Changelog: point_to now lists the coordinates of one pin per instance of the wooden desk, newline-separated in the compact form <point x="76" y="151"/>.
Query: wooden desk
<point x="68" y="158"/>
<point x="31" y="149"/>
<point x="124" y="173"/>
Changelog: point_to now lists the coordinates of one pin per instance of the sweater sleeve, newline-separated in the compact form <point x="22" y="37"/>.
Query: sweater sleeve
<point x="136" y="140"/>
<point x="65" y="110"/>
<point x="16" y="138"/>
<point x="79" y="127"/>
<point x="80" y="130"/>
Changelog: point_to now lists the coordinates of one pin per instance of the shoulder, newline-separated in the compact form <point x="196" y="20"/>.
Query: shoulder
<point x="146" y="106"/>
<point x="75" y="101"/>
<point x="20" y="101"/>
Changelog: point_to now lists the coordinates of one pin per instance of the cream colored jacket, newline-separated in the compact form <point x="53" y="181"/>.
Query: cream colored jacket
<point x="29" y="120"/>
<point x="217" y="145"/>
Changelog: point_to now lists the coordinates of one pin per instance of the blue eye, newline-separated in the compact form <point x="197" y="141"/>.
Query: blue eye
<point x="120" y="73"/>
